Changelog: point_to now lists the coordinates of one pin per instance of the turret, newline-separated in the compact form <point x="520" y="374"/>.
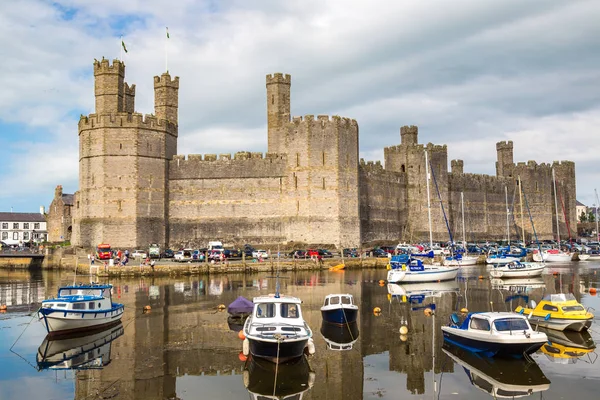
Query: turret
<point x="409" y="135"/>
<point x="166" y="97"/>
<point x="457" y="166"/>
<point x="505" y="164"/>
<point x="108" y="86"/>
<point x="278" y="109"/>
<point x="129" y="101"/>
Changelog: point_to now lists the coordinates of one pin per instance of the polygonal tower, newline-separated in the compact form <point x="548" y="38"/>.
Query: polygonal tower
<point x="123" y="155"/>
<point x="278" y="109"/>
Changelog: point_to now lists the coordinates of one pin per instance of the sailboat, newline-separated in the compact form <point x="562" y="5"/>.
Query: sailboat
<point x="505" y="255"/>
<point x="458" y="258"/>
<point x="553" y="255"/>
<point x="596" y="256"/>
<point x="405" y="269"/>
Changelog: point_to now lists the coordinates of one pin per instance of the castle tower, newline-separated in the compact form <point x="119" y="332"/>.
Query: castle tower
<point x="505" y="164"/>
<point x="457" y="166"/>
<point x="123" y="174"/>
<point x="409" y="135"/>
<point x="166" y="97"/>
<point x="278" y="109"/>
<point x="108" y="86"/>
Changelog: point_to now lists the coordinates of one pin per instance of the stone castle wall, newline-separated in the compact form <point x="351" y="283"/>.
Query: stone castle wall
<point x="310" y="186"/>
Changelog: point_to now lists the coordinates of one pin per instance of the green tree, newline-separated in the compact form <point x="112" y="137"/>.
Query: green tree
<point x="583" y="217"/>
<point x="591" y="217"/>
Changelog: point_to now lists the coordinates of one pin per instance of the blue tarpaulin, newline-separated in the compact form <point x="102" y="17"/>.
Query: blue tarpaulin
<point x="241" y="305"/>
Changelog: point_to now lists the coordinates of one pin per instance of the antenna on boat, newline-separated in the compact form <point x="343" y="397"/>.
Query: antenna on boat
<point x="277" y="287"/>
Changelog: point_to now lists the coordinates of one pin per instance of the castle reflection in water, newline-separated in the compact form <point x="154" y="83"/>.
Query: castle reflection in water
<point x="185" y="338"/>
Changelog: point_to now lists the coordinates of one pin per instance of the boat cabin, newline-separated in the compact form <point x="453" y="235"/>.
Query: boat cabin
<point x="81" y="298"/>
<point x="561" y="302"/>
<point x="498" y="323"/>
<point x="337" y="299"/>
<point x="284" y="308"/>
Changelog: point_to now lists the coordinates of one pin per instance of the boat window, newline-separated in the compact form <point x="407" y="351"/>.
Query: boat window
<point x="326" y="302"/>
<point x="573" y="308"/>
<point x="289" y="310"/>
<point x="265" y="310"/>
<point x="335" y="300"/>
<point x="549" y="307"/>
<point x="511" y="324"/>
<point x="92" y="306"/>
<point x="48" y="305"/>
<point x="346" y="300"/>
<point x="481" y="324"/>
<point x="61" y="305"/>
<point x="78" y="306"/>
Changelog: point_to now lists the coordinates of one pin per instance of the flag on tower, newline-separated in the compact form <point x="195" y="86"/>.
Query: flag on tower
<point x="168" y="37"/>
<point x="123" y="44"/>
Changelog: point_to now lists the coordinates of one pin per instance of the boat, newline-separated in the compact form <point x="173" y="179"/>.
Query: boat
<point x="552" y="255"/>
<point x="499" y="377"/>
<point x="82" y="350"/>
<point x="494" y="334"/>
<point x="498" y="258"/>
<point x="239" y="310"/>
<point x="566" y="347"/>
<point x="405" y="269"/>
<point x="518" y="285"/>
<point x="276" y="330"/>
<point x="584" y="257"/>
<point x="558" y="311"/>
<point x="339" y="337"/>
<point x="339" y="309"/>
<point x="517" y="269"/>
<point x="416" y="293"/>
<point x="460" y="258"/>
<point x="285" y="381"/>
<point x="80" y="307"/>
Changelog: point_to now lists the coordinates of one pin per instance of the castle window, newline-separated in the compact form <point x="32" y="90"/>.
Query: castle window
<point x="297" y="206"/>
<point x="323" y="156"/>
<point x="347" y="160"/>
<point x="297" y="159"/>
<point x="272" y="99"/>
<point x="119" y="203"/>
<point x="419" y="169"/>
<point x="403" y="168"/>
<point x="78" y="204"/>
<point x="295" y="182"/>
<point x="323" y="183"/>
<point x="121" y="146"/>
<point x="536" y="187"/>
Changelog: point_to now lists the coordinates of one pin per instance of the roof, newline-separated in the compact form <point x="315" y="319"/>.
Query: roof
<point x="580" y="203"/>
<point x="68" y="199"/>
<point x="273" y="299"/>
<point x="21" y="217"/>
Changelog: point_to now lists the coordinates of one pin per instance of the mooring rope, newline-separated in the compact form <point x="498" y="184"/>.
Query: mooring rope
<point x="276" y="367"/>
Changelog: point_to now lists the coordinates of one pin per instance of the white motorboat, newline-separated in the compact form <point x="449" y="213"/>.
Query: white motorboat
<point x="403" y="269"/>
<point x="276" y="329"/>
<point x="517" y="269"/>
<point x="552" y="255"/>
<point x="80" y="307"/>
<point x="339" y="309"/>
<point x="461" y="261"/>
<point x="584" y="257"/>
<point x="494" y="333"/>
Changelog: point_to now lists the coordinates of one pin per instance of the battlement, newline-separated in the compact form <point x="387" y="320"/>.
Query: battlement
<point x="165" y="80"/>
<point x="129" y="90"/>
<point x="126" y="120"/>
<point x="504" y="145"/>
<point x="436" y="148"/>
<point x="240" y="155"/>
<point x="470" y="182"/>
<point x="105" y="67"/>
<point x="457" y="166"/>
<point x="412" y="129"/>
<point x="563" y="163"/>
<point x="409" y="135"/>
<point x="278" y="77"/>
<point x="324" y="120"/>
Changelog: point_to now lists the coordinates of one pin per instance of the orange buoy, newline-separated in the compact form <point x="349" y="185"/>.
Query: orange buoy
<point x="221" y="307"/>
<point x="147" y="309"/>
<point x="592" y="291"/>
<point x="377" y="310"/>
<point x="428" y="312"/>
<point x="242" y="357"/>
<point x="464" y="310"/>
<point x="3" y="307"/>
<point x="241" y="335"/>
<point x="381" y="282"/>
<point x="480" y="276"/>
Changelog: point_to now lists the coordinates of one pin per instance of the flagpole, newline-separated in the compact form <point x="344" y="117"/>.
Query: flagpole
<point x="121" y="47"/>
<point x="167" y="52"/>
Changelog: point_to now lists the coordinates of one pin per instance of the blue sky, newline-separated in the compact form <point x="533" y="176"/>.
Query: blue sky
<point x="468" y="73"/>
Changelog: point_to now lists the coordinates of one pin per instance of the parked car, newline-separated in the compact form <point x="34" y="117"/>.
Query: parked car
<point x="260" y="253"/>
<point x="325" y="253"/>
<point x="139" y="254"/>
<point x="312" y="252"/>
<point x="168" y="253"/>
<point x="183" y="255"/>
<point x="249" y="250"/>
<point x="298" y="254"/>
<point x="233" y="253"/>
<point x="350" y="253"/>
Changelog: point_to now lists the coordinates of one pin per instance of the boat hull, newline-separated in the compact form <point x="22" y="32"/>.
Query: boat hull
<point x="527" y="271"/>
<point x="559" y="324"/>
<point x="499" y="261"/>
<point x="584" y="257"/>
<point x="492" y="348"/>
<point x="430" y="274"/>
<point x="59" y="322"/>
<point x="340" y="315"/>
<point x="282" y="351"/>
<point x="464" y="262"/>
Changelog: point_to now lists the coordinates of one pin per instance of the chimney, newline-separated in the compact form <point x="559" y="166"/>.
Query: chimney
<point x="42" y="210"/>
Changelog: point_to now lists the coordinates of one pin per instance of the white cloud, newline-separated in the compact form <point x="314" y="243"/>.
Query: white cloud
<point x="469" y="73"/>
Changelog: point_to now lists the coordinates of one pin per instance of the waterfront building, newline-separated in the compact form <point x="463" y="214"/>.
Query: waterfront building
<point x="18" y="228"/>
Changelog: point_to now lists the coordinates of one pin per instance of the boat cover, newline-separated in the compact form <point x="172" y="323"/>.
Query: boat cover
<point x="241" y="305"/>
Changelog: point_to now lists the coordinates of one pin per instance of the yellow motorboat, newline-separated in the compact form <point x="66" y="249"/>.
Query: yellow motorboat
<point x="559" y="312"/>
<point x="568" y="346"/>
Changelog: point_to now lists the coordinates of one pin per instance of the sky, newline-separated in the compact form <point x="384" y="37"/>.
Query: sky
<point x="468" y="73"/>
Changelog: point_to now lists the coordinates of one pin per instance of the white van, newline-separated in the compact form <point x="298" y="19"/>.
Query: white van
<point x="216" y="245"/>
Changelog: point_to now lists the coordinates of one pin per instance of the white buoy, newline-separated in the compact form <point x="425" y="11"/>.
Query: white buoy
<point x="403" y="330"/>
<point x="311" y="346"/>
<point x="246" y="347"/>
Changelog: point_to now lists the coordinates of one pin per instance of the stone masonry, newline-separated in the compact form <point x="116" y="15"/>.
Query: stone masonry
<point x="310" y="187"/>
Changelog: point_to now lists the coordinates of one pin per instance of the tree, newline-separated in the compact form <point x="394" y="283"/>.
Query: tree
<point x="583" y="217"/>
<point x="591" y="217"/>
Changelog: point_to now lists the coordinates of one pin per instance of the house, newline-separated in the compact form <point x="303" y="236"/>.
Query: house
<point x="580" y="208"/>
<point x="20" y="228"/>
<point x="59" y="216"/>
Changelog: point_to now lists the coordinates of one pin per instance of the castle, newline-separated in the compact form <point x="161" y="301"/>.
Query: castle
<point x="310" y="187"/>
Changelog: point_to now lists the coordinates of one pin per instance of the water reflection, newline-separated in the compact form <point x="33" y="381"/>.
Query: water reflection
<point x="524" y="285"/>
<point x="567" y="347"/>
<point x="499" y="377"/>
<point x="339" y="337"/>
<point x="82" y="351"/>
<point x="267" y="380"/>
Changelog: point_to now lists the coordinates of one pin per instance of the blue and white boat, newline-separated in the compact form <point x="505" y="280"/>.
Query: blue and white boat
<point x="339" y="309"/>
<point x="80" y="307"/>
<point x="494" y="334"/>
<point x="517" y="269"/>
<point x="404" y="269"/>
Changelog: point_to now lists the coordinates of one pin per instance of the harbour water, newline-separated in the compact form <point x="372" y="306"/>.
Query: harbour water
<point x="184" y="347"/>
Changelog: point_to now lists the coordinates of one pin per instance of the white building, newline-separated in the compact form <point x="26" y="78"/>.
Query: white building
<point x="579" y="208"/>
<point x="19" y="228"/>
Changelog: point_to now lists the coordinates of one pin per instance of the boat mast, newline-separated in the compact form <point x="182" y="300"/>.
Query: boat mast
<point x="556" y="208"/>
<point x="597" y="205"/>
<point x="428" y="202"/>
<point x="462" y="205"/>
<point x="521" y="201"/>
<point x="507" y="216"/>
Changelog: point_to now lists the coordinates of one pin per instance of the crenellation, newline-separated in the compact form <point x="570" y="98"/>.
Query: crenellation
<point x="278" y="77"/>
<point x="194" y="157"/>
<point x="127" y="120"/>
<point x="225" y="157"/>
<point x="166" y="80"/>
<point x="256" y="155"/>
<point x="105" y="67"/>
<point x="210" y="157"/>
